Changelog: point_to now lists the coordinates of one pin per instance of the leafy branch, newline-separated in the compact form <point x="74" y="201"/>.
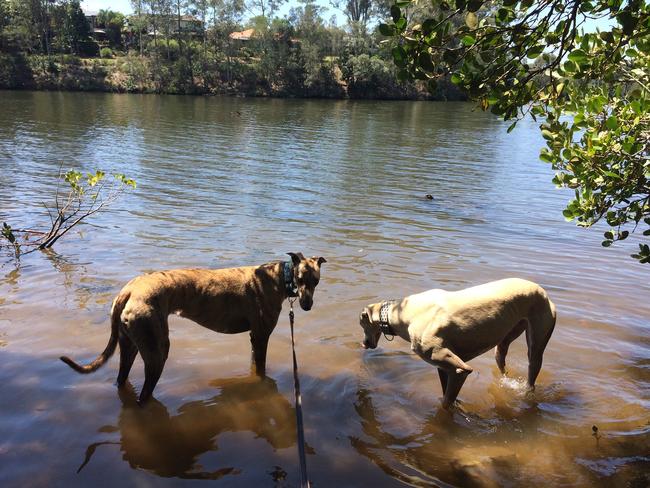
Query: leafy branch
<point x="80" y="197"/>
<point x="592" y="89"/>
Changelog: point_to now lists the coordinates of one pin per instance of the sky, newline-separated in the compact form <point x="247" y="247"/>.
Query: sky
<point x="124" y="6"/>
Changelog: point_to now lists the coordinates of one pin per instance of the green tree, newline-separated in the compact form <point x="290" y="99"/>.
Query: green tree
<point x="265" y="8"/>
<point x="138" y="23"/>
<point x="225" y="17"/>
<point x="590" y="89"/>
<point x="113" y="23"/>
<point x="69" y="26"/>
<point x="26" y="26"/>
<point x="358" y="13"/>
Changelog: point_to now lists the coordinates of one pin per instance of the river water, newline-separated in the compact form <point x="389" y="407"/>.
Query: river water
<point x="231" y="182"/>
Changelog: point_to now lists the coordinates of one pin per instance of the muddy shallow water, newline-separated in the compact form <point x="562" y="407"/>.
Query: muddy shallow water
<point x="224" y="182"/>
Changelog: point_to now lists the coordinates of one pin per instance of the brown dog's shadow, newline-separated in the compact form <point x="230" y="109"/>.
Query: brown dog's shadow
<point x="170" y="445"/>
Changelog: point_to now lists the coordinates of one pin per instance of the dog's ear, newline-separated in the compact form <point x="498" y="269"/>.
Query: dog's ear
<point x="296" y="257"/>
<point x="364" y="315"/>
<point x="319" y="260"/>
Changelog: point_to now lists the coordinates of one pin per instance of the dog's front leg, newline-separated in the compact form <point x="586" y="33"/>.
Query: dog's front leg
<point x="454" y="384"/>
<point x="259" y="345"/>
<point x="442" y="374"/>
<point x="453" y="372"/>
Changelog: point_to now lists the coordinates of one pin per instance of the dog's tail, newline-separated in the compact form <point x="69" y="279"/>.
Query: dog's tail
<point x="116" y="312"/>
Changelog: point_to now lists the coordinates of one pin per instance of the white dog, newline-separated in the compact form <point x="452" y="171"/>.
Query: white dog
<point x="446" y="329"/>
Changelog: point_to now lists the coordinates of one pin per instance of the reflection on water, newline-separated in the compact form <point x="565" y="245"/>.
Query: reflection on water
<point x="345" y="180"/>
<point x="170" y="445"/>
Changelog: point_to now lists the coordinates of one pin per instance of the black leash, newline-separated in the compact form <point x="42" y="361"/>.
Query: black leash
<point x="304" y="481"/>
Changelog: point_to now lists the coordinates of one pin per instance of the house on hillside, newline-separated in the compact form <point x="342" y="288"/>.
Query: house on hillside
<point x="242" y="36"/>
<point x="188" y="24"/>
<point x="97" y="33"/>
<point x="185" y="24"/>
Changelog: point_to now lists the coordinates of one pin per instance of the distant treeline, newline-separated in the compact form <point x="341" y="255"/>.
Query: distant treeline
<point x="238" y="47"/>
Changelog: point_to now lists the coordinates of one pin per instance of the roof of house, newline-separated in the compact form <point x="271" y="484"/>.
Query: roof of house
<point x="244" y="35"/>
<point x="190" y="18"/>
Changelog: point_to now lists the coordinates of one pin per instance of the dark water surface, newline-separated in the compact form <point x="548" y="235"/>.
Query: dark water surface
<point x="228" y="182"/>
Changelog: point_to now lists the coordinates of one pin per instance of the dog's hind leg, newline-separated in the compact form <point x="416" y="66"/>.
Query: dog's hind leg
<point x="128" y="352"/>
<point x="538" y="333"/>
<point x="153" y="367"/>
<point x="151" y="336"/>
<point x="501" y="351"/>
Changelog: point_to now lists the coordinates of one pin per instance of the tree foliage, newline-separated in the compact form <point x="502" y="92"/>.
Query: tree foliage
<point x="589" y="88"/>
<point x="113" y="23"/>
<point x="188" y="46"/>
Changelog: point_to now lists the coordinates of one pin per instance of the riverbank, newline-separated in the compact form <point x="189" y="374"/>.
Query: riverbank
<point x="140" y="74"/>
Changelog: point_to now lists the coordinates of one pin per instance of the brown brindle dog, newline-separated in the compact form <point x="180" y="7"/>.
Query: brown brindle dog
<point x="229" y="300"/>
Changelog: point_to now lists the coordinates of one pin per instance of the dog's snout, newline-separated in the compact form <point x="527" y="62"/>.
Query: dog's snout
<point x="306" y="304"/>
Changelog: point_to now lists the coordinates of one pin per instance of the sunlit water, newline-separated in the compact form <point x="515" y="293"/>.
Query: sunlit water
<point x="229" y="182"/>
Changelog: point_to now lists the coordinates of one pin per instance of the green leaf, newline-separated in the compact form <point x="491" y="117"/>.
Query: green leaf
<point x="399" y="55"/>
<point x="468" y="40"/>
<point x="607" y="37"/>
<point x="425" y="62"/>
<point x="428" y="25"/>
<point x="546" y="157"/>
<point x="547" y="134"/>
<point x="569" y="66"/>
<point x="403" y="75"/>
<point x="504" y="15"/>
<point x="612" y="123"/>
<point x="535" y="51"/>
<point x="386" y="30"/>
<point x="628" y="22"/>
<point x="577" y="56"/>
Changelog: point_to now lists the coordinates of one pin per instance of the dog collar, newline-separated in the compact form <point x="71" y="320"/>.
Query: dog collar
<point x="289" y="283"/>
<point x="384" y="324"/>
